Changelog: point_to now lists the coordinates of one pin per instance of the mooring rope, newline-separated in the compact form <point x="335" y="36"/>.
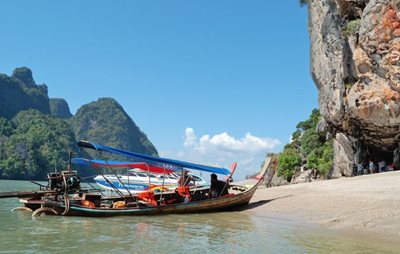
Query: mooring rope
<point x="66" y="199"/>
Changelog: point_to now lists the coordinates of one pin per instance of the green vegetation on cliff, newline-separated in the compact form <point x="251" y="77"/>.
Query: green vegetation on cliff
<point x="309" y="148"/>
<point x="33" y="144"/>
<point x="106" y="122"/>
<point x="351" y="28"/>
<point x="303" y="2"/>
<point x="288" y="160"/>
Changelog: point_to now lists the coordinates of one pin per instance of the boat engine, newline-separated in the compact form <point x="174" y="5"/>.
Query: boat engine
<point x="57" y="183"/>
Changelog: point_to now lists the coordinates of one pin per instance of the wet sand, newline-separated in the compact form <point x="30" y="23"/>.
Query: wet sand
<point x="367" y="204"/>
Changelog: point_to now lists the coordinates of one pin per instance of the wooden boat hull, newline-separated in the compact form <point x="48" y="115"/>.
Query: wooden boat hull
<point x="241" y="195"/>
<point x="217" y="204"/>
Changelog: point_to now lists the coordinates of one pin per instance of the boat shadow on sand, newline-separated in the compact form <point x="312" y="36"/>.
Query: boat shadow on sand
<point x="259" y="203"/>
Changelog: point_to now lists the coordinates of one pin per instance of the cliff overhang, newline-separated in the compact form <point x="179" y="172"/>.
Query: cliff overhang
<point x="355" y="64"/>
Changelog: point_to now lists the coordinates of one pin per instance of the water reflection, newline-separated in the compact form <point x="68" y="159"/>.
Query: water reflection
<point x="228" y="232"/>
<point x="180" y="232"/>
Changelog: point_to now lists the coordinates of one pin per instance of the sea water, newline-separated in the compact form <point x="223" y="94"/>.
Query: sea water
<point x="224" y="232"/>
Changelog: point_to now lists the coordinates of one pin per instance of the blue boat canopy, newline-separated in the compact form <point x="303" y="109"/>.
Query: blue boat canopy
<point x="126" y="164"/>
<point x="177" y="163"/>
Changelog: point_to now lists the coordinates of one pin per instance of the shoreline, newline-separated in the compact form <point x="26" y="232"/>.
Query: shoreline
<point x="368" y="205"/>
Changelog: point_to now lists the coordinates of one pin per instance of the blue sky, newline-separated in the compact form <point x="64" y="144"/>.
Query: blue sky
<point x="207" y="81"/>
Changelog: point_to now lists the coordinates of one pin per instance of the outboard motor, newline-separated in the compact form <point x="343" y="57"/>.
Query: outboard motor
<point x="56" y="181"/>
<point x="71" y="184"/>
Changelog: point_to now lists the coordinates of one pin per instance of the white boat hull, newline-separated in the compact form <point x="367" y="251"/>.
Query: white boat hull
<point x="138" y="184"/>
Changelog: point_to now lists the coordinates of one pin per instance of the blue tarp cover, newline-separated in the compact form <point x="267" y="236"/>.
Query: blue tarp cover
<point x="177" y="163"/>
<point x="141" y="165"/>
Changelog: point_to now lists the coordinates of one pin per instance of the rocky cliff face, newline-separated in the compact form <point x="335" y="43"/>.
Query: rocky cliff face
<point x="355" y="63"/>
<point x="59" y="108"/>
<point x="20" y="92"/>
<point x="33" y="143"/>
<point x="106" y="122"/>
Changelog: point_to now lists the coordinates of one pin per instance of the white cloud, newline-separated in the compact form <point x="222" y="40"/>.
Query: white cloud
<point x="223" y="149"/>
<point x="225" y="142"/>
<point x="190" y="137"/>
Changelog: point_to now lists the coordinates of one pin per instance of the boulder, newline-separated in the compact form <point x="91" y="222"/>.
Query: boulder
<point x="305" y="176"/>
<point x="278" y="181"/>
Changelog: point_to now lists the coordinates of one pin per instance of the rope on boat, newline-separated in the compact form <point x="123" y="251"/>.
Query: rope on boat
<point x="197" y="185"/>
<point x="111" y="184"/>
<point x="94" y="188"/>
<point x="195" y="188"/>
<point x="66" y="199"/>
<point x="21" y="208"/>
<point x="45" y="210"/>
<point x="119" y="180"/>
<point x="91" y="177"/>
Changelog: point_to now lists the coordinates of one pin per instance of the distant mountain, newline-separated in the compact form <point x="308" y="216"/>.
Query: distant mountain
<point x="20" y="92"/>
<point x="106" y="122"/>
<point x="36" y="133"/>
<point x="59" y="108"/>
<point x="24" y="75"/>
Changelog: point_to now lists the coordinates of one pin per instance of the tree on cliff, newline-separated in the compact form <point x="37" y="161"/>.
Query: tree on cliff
<point x="303" y="2"/>
<point x="288" y="161"/>
<point x="309" y="147"/>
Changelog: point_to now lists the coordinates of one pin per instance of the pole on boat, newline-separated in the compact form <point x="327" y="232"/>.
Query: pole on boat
<point x="162" y="186"/>
<point x="69" y="160"/>
<point x="183" y="180"/>
<point x="108" y="181"/>
<point x="148" y="174"/>
<point x="26" y="194"/>
<point x="233" y="168"/>
<point x="130" y="194"/>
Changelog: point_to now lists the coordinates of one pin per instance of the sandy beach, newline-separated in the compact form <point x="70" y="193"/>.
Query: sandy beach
<point x="367" y="204"/>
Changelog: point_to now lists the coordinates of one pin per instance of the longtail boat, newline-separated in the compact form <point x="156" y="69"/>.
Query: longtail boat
<point x="139" y="177"/>
<point x="65" y="196"/>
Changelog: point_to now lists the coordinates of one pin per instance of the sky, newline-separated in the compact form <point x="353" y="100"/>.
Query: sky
<point x="210" y="82"/>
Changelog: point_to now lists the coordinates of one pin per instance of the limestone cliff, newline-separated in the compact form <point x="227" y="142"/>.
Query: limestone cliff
<point x="355" y="64"/>
<point x="59" y="108"/>
<point x="33" y="143"/>
<point x="20" y="92"/>
<point x="106" y="122"/>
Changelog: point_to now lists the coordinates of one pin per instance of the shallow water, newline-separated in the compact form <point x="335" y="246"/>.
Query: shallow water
<point x="228" y="232"/>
